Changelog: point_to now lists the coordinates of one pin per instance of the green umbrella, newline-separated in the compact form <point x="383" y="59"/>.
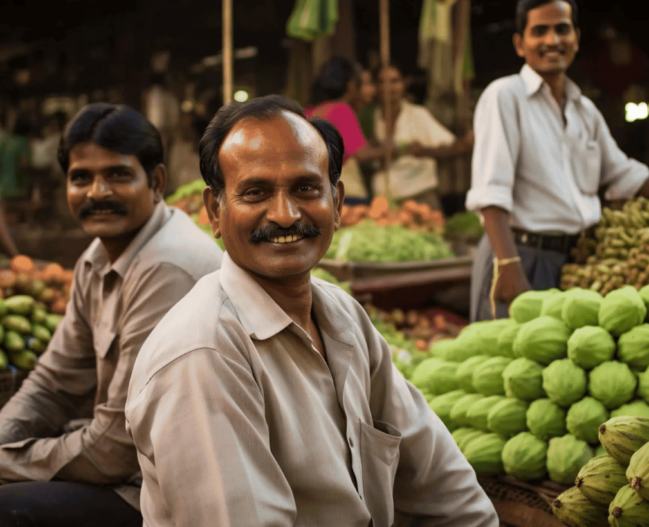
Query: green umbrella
<point x="312" y="19"/>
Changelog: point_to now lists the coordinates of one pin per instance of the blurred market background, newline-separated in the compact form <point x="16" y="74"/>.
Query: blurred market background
<point x="165" y="59"/>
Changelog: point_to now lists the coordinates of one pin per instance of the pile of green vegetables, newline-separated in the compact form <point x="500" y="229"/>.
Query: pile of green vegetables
<point x="527" y="395"/>
<point x="464" y="223"/>
<point x="369" y="242"/>
<point x="25" y="330"/>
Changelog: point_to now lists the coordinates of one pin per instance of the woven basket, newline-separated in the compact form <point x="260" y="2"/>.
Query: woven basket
<point x="521" y="504"/>
<point x="10" y="381"/>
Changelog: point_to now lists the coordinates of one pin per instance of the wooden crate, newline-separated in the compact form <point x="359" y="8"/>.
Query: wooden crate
<point x="521" y="504"/>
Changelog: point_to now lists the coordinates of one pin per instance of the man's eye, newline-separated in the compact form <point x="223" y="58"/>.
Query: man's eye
<point x="253" y="193"/>
<point x="78" y="178"/>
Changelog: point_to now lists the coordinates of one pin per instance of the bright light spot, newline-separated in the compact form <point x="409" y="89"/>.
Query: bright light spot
<point x="241" y="96"/>
<point x="187" y="106"/>
<point x="636" y="112"/>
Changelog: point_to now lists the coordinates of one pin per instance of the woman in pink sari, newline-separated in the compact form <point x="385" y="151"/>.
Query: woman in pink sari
<point x="334" y="92"/>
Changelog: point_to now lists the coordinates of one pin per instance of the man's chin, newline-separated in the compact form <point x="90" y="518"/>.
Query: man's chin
<point x="113" y="229"/>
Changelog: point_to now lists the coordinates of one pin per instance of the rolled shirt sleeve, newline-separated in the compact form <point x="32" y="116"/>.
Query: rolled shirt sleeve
<point x="101" y="452"/>
<point x="496" y="150"/>
<point x="622" y="176"/>
<point x="205" y="449"/>
<point x="434" y="481"/>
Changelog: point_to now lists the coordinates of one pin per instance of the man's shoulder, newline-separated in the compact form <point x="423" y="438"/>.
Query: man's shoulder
<point x="504" y="87"/>
<point x="184" y="245"/>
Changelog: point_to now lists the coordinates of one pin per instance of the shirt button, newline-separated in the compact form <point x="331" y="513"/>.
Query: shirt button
<point x="351" y="442"/>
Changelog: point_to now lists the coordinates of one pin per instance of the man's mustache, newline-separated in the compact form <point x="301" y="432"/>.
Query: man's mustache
<point x="559" y="49"/>
<point x="299" y="228"/>
<point x="90" y="207"/>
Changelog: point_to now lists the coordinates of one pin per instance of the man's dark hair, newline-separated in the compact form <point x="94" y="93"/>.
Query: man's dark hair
<point x="525" y="6"/>
<point x="114" y="127"/>
<point x="333" y="80"/>
<point x="264" y="109"/>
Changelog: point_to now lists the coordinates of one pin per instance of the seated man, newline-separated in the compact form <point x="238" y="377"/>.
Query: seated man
<point x="145" y="258"/>
<point x="266" y="397"/>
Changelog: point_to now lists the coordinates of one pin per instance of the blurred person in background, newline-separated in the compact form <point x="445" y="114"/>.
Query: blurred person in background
<point x="7" y="244"/>
<point x="56" y="470"/>
<point x="336" y="94"/>
<point x="543" y="152"/>
<point x="16" y="161"/>
<point x="419" y="136"/>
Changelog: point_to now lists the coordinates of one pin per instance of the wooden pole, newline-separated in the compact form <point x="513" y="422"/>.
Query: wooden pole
<point x="384" y="10"/>
<point x="227" y="51"/>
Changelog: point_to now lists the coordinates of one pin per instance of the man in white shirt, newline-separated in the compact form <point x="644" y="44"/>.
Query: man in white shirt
<point x="412" y="176"/>
<point x="542" y="152"/>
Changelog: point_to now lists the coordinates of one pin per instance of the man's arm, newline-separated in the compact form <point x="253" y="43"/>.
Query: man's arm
<point x="101" y="452"/>
<point x="458" y="147"/>
<point x="434" y="482"/>
<point x="203" y="445"/>
<point x="512" y="280"/>
<point x="497" y="144"/>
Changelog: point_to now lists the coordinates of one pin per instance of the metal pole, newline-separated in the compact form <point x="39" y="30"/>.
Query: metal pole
<point x="227" y="51"/>
<point x="384" y="9"/>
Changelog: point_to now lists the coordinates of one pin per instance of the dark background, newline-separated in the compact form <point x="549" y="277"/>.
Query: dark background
<point x="80" y="45"/>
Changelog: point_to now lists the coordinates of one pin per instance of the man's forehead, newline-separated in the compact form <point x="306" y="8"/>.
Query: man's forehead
<point x="287" y="133"/>
<point x="550" y="13"/>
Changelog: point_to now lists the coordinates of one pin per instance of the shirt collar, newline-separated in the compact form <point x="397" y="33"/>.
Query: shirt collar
<point x="259" y="314"/>
<point x="97" y="258"/>
<point x="533" y="83"/>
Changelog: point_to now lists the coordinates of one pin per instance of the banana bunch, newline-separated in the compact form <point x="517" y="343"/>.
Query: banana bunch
<point x="621" y="251"/>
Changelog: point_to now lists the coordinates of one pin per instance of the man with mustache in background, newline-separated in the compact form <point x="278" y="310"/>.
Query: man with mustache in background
<point x="144" y="259"/>
<point x="266" y="397"/>
<point x="542" y="153"/>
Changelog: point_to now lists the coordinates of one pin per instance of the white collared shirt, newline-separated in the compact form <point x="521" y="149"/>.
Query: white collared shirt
<point x="545" y="173"/>
<point x="410" y="175"/>
<point x="240" y="422"/>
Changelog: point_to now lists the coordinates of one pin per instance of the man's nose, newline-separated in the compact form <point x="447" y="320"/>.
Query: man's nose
<point x="552" y="38"/>
<point x="283" y="211"/>
<point x="100" y="189"/>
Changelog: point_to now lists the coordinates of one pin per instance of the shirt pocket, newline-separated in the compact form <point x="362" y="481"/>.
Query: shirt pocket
<point x="380" y="460"/>
<point x="589" y="172"/>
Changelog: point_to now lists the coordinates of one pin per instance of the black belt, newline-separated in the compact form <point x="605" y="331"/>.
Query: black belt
<point x="561" y="243"/>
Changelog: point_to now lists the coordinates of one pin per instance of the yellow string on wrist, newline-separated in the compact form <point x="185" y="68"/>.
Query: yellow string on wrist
<point x="497" y="264"/>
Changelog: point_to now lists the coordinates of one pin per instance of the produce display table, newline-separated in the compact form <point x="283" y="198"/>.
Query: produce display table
<point x="445" y="283"/>
<point x="522" y="504"/>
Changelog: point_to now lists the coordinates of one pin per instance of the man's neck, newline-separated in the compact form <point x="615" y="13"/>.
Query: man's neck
<point x="294" y="296"/>
<point x="116" y="246"/>
<point x="557" y="83"/>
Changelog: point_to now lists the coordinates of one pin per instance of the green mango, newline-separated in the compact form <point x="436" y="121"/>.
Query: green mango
<point x="4" y="361"/>
<point x="16" y="323"/>
<point x="14" y="342"/>
<point x="20" y="304"/>
<point x="39" y="316"/>
<point x="36" y="345"/>
<point x="41" y="333"/>
<point x="25" y="359"/>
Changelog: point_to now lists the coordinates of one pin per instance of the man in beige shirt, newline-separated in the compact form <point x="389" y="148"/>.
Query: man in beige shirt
<point x="145" y="258"/>
<point x="266" y="398"/>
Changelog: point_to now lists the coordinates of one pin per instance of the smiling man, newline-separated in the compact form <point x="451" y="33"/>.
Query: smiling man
<point x="542" y="153"/>
<point x="144" y="259"/>
<point x="266" y="397"/>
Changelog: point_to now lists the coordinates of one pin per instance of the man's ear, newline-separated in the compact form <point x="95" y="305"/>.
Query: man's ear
<point x="517" y="40"/>
<point x="338" y="202"/>
<point x="159" y="182"/>
<point x="213" y="209"/>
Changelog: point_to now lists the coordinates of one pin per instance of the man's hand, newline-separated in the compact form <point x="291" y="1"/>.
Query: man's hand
<point x="512" y="281"/>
